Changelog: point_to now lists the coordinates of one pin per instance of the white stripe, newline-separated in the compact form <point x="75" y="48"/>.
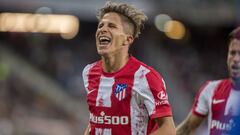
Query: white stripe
<point x="105" y="91"/>
<point x="120" y="95"/>
<point x="144" y="90"/>
<point x="204" y="105"/>
<point x="85" y="75"/>
<point x="140" y="87"/>
<point x="205" y="98"/>
<point x="124" y="93"/>
<point x="232" y="105"/>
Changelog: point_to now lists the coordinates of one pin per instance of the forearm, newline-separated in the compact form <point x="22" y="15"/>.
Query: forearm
<point x="165" y="126"/>
<point x="164" y="131"/>
<point x="183" y="129"/>
<point x="87" y="130"/>
<point x="189" y="125"/>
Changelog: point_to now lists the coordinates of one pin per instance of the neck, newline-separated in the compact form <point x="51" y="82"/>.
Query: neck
<point x="112" y="64"/>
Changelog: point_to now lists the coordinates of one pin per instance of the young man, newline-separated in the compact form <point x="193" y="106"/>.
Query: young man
<point x="125" y="96"/>
<point x="218" y="100"/>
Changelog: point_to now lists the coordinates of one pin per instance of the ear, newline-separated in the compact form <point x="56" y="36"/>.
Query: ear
<point x="129" y="40"/>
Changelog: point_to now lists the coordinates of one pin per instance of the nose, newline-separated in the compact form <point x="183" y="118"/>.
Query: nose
<point x="103" y="29"/>
<point x="236" y="58"/>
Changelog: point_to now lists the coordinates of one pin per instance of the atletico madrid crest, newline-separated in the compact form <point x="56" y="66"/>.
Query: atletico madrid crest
<point x="120" y="91"/>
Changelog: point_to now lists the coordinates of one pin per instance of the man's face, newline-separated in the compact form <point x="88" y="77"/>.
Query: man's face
<point x="233" y="60"/>
<point x="110" y="35"/>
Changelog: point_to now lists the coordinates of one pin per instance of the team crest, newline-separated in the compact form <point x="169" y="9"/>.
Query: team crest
<point x="120" y="91"/>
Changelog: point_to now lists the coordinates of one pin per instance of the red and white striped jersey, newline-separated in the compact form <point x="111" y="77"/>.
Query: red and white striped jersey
<point x="220" y="102"/>
<point x="127" y="101"/>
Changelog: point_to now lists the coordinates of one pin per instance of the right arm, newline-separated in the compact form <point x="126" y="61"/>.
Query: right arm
<point x="87" y="130"/>
<point x="190" y="124"/>
<point x="199" y="110"/>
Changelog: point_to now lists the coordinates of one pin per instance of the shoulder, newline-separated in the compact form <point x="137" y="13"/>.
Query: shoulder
<point x="209" y="88"/>
<point x="210" y="85"/>
<point x="153" y="78"/>
<point x="203" y="99"/>
<point x="150" y="70"/>
<point x="88" y="67"/>
<point x="153" y="75"/>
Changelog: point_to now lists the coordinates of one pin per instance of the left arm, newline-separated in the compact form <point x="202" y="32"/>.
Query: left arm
<point x="165" y="126"/>
<point x="156" y="101"/>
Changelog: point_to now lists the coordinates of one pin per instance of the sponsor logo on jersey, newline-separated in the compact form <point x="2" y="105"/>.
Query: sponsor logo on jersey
<point x="99" y="131"/>
<point x="162" y="98"/>
<point x="110" y="120"/>
<point x="102" y="131"/>
<point x="218" y="125"/>
<point x="120" y="91"/>
<point x="217" y="101"/>
<point x="90" y="91"/>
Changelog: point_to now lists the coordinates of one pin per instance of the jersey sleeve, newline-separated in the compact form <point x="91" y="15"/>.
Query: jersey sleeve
<point x="201" y="102"/>
<point x="155" y="95"/>
<point x="85" y="73"/>
<point x="157" y="87"/>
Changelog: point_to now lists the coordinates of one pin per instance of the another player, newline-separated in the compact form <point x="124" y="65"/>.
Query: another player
<point x="218" y="100"/>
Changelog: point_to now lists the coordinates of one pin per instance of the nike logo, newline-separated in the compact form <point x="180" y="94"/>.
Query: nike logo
<point x="90" y="91"/>
<point x="217" y="101"/>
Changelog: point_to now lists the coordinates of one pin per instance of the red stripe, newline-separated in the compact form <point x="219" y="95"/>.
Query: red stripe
<point x="120" y="95"/>
<point x="93" y="83"/>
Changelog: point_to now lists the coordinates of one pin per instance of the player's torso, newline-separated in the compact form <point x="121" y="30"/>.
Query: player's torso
<point x="109" y="103"/>
<point x="222" y="119"/>
<point x="114" y="104"/>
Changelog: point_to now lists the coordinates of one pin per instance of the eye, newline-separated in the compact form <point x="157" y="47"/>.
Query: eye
<point x="100" y="25"/>
<point x="112" y="25"/>
<point x="232" y="52"/>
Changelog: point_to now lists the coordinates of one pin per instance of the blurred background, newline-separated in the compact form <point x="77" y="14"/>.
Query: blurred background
<point x="45" y="44"/>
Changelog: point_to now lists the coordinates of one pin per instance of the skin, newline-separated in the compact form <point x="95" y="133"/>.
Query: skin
<point x="115" y="55"/>
<point x="192" y="122"/>
<point x="166" y="126"/>
<point x="233" y="61"/>
<point x="87" y="130"/>
<point x="189" y="125"/>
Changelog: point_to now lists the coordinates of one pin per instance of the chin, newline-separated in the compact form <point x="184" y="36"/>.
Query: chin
<point x="236" y="78"/>
<point x="102" y="53"/>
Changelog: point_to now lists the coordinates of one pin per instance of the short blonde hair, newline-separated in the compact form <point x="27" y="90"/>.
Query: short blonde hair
<point x="134" y="16"/>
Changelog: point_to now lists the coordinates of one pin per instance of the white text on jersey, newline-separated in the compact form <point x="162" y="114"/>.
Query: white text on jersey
<point x="105" y="119"/>
<point x="222" y="126"/>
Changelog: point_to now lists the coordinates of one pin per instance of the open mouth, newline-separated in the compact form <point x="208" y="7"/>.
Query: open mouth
<point x="235" y="67"/>
<point x="104" y="40"/>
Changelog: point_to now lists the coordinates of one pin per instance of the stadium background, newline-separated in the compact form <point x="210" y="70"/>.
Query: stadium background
<point x="41" y="88"/>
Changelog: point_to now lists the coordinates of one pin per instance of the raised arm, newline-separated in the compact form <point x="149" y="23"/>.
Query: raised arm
<point x="189" y="125"/>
